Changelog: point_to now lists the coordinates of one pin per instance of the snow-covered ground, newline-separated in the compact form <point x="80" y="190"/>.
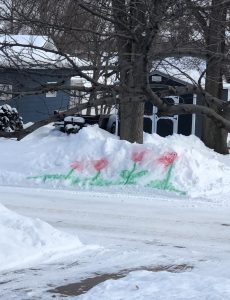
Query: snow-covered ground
<point x="155" y="217"/>
<point x="135" y="233"/>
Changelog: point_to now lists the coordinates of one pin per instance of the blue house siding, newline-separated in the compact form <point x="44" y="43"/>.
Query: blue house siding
<point x="36" y="107"/>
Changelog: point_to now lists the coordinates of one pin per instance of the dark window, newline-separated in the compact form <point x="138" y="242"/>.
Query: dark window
<point x="164" y="127"/>
<point x="224" y="95"/>
<point x="147" y="125"/>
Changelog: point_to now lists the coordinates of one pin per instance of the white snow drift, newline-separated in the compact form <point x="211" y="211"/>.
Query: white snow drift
<point x="50" y="152"/>
<point x="24" y="240"/>
<point x="142" y="285"/>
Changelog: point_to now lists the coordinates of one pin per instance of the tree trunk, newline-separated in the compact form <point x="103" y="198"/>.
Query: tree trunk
<point x="132" y="113"/>
<point x="215" y="136"/>
<point x="132" y="65"/>
<point x="133" y="81"/>
<point x="131" y="116"/>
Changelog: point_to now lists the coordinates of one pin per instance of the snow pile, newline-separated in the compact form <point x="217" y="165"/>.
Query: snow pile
<point x="142" y="285"/>
<point x="25" y="240"/>
<point x="93" y="157"/>
<point x="198" y="169"/>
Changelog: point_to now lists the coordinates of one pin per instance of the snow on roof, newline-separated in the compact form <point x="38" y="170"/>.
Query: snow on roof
<point x="186" y="69"/>
<point x="19" y="51"/>
<point x="32" y="51"/>
<point x="36" y="40"/>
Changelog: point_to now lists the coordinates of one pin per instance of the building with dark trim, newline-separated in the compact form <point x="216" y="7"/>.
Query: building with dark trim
<point x="182" y="124"/>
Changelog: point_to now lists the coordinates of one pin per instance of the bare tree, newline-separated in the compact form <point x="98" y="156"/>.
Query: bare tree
<point x="214" y="28"/>
<point x="137" y="32"/>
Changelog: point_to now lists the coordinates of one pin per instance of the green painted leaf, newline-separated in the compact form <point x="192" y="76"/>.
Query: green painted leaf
<point x="125" y="173"/>
<point x="139" y="174"/>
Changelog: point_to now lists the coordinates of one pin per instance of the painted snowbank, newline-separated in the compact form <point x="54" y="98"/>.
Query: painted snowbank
<point x="94" y="157"/>
<point x="140" y="168"/>
<point x="26" y="241"/>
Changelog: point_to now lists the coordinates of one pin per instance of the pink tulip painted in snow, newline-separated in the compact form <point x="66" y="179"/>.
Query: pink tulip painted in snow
<point x="77" y="165"/>
<point x="138" y="156"/>
<point x="167" y="159"/>
<point x="100" y="164"/>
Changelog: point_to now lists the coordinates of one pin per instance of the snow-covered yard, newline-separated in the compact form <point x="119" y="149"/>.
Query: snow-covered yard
<point x="144" y="221"/>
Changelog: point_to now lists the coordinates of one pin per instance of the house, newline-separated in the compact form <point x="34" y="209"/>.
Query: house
<point x="164" y="126"/>
<point x="24" y="68"/>
<point x="182" y="124"/>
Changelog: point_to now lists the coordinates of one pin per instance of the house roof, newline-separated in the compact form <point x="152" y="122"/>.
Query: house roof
<point x="172" y="77"/>
<point x="27" y="51"/>
<point x="187" y="70"/>
<point x="32" y="51"/>
<point x="36" y="40"/>
<point x="184" y="70"/>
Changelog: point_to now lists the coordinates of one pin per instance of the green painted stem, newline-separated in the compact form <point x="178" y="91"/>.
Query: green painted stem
<point x="130" y="173"/>
<point x="96" y="176"/>
<point x="168" y="175"/>
<point x="68" y="175"/>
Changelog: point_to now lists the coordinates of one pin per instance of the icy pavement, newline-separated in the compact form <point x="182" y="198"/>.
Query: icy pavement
<point x="134" y="231"/>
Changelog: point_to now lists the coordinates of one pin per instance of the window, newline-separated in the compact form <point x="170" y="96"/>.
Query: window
<point x="156" y="78"/>
<point x="5" y="92"/>
<point x="51" y="94"/>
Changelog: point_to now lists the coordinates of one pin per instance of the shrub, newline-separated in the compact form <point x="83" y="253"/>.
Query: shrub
<point x="10" y="119"/>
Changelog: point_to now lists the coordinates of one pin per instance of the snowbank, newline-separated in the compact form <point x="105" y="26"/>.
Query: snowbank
<point x="25" y="240"/>
<point x="142" y="285"/>
<point x="94" y="157"/>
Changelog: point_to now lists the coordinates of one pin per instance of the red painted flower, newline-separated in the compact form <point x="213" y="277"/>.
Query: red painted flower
<point x="77" y="165"/>
<point x="100" y="164"/>
<point x="167" y="159"/>
<point x="138" y="156"/>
